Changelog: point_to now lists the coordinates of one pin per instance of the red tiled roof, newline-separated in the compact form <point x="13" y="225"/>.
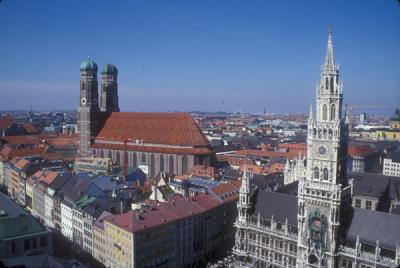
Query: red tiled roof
<point x="5" y="122"/>
<point x="154" y="215"/>
<point x="266" y="153"/>
<point x="29" y="127"/>
<point x="22" y="140"/>
<point x="155" y="149"/>
<point x="153" y="128"/>
<point x="22" y="163"/>
<point x="8" y="153"/>
<point x="359" y="150"/>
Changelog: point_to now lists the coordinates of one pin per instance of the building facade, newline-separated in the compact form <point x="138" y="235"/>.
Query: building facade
<point x="391" y="164"/>
<point x="318" y="227"/>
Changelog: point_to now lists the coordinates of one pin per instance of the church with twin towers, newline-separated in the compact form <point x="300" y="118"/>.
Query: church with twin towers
<point x="311" y="222"/>
<point x="153" y="141"/>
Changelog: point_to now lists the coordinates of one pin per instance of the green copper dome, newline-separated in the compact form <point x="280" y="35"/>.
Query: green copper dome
<point x="109" y="69"/>
<point x="89" y="65"/>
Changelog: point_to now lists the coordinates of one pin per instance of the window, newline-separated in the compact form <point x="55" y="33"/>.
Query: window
<point x="332" y="112"/>
<point x="171" y="164"/>
<point x="347" y="264"/>
<point x="27" y="244"/>
<point x="324" y="112"/>
<point x="161" y="162"/>
<point x="316" y="173"/>
<point x="332" y="88"/>
<point x="326" y="174"/>
<point x="143" y="158"/>
<point x="358" y="203"/>
<point x="152" y="165"/>
<point x="43" y="241"/>
<point x="109" y="155"/>
<point x="368" y="205"/>
<point x="117" y="157"/>
<point x="184" y="164"/>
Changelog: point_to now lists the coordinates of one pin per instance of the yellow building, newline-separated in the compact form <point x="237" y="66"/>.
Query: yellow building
<point x="393" y="133"/>
<point x="99" y="238"/>
<point x="118" y="244"/>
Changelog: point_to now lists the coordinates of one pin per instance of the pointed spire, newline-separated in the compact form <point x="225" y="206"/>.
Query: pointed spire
<point x="329" y="59"/>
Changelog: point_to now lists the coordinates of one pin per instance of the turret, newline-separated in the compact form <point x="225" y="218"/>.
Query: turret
<point x="89" y="107"/>
<point x="109" y="89"/>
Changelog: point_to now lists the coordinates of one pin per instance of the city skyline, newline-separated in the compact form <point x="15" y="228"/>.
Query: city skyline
<point x="235" y="48"/>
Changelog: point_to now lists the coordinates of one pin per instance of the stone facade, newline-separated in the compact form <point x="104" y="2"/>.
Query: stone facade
<point x="318" y="227"/>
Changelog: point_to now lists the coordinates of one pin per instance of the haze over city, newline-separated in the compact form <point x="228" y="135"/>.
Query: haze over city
<point x="194" y="55"/>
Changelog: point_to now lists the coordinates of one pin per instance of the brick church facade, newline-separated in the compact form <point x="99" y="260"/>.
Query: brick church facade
<point x="155" y="142"/>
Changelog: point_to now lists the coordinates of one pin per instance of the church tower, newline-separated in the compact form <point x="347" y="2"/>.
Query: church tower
<point x="109" y="89"/>
<point x="324" y="190"/>
<point x="89" y="108"/>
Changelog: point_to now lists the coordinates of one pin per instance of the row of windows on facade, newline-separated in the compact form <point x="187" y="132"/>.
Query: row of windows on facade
<point x="325" y="173"/>
<point x="276" y="257"/>
<point x="144" y="161"/>
<point x="31" y="244"/>
<point x="368" y="204"/>
<point x="325" y="112"/>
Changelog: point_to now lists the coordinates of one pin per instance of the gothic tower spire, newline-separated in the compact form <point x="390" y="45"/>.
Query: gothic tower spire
<point x="324" y="190"/>
<point x="330" y="57"/>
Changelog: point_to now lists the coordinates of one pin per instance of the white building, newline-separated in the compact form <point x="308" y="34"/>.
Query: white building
<point x="391" y="164"/>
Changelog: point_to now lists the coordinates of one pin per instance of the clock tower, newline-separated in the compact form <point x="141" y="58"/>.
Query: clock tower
<point x="324" y="191"/>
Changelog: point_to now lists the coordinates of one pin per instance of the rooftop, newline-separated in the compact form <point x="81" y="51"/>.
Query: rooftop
<point x="14" y="221"/>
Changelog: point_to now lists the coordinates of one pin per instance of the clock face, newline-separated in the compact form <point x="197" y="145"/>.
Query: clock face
<point x="321" y="150"/>
<point x="83" y="100"/>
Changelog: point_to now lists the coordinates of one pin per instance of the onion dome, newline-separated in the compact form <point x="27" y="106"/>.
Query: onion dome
<point x="109" y="69"/>
<point x="89" y="65"/>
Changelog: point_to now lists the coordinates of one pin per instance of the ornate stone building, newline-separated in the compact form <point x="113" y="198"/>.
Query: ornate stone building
<point x="155" y="142"/>
<point x="318" y="227"/>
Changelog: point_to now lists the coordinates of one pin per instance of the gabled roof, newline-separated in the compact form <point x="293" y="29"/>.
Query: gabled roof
<point x="371" y="226"/>
<point x="153" y="128"/>
<point x="29" y="128"/>
<point x="5" y="122"/>
<point x="163" y="213"/>
<point x="277" y="205"/>
<point x="376" y="185"/>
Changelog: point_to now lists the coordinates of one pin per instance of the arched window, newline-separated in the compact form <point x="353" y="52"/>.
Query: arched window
<point x="333" y="112"/>
<point x="161" y="162"/>
<point x="101" y="153"/>
<point x="184" y="164"/>
<point x="326" y="174"/>
<point x="326" y="83"/>
<point x="332" y="87"/>
<point x="314" y="131"/>
<point x="330" y="132"/>
<point x="143" y="158"/>
<point x="126" y="158"/>
<point x="134" y="159"/>
<point x="312" y="259"/>
<point x="152" y="166"/>
<point x="109" y="154"/>
<point x="117" y="157"/>
<point x="324" y="112"/>
<point x="171" y="164"/>
<point x="94" y="152"/>
<point x="316" y="173"/>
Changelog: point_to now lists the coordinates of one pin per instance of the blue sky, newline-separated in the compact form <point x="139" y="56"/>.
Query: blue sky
<point x="192" y="55"/>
